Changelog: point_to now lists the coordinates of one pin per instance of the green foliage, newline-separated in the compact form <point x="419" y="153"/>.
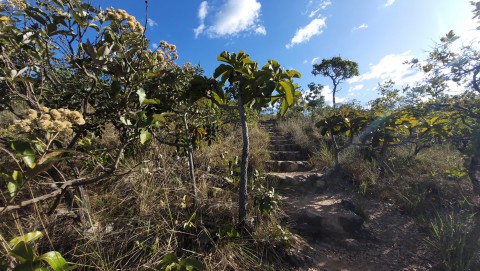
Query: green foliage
<point x="449" y="237"/>
<point x="27" y="258"/>
<point x="228" y="233"/>
<point x="171" y="262"/>
<point x="265" y="199"/>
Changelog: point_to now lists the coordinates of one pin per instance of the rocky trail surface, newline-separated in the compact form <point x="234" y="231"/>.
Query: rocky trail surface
<point x="334" y="227"/>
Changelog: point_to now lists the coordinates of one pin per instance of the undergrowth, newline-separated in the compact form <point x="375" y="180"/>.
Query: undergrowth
<point x="147" y="218"/>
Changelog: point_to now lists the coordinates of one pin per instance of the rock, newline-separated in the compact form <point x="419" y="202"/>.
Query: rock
<point x="332" y="221"/>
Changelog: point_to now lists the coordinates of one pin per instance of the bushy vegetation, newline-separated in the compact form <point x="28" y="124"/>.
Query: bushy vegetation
<point x="122" y="159"/>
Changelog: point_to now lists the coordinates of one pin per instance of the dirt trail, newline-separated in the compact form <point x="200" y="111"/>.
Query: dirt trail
<point x="335" y="229"/>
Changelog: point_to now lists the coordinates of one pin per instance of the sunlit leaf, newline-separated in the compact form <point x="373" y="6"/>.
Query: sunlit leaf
<point x="56" y="261"/>
<point x="288" y="90"/>
<point x="145" y="136"/>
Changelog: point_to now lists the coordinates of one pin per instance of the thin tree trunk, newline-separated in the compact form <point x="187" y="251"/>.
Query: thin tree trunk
<point x="242" y="201"/>
<point x="336" y="163"/>
<point x="383" y="157"/>
<point x="334" y="91"/>
<point x="191" y="166"/>
<point x="472" y="173"/>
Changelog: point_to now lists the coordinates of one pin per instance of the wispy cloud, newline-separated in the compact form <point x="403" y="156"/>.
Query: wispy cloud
<point x="391" y="67"/>
<point x="314" y="60"/>
<point x="202" y="13"/>
<point x="230" y="18"/>
<point x="315" y="6"/>
<point x="355" y="88"/>
<point x="261" y="30"/>
<point x="303" y="34"/>
<point x="389" y="3"/>
<point x="362" y="26"/>
<point x="151" y="22"/>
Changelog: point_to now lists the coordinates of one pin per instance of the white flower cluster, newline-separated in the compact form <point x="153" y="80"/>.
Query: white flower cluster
<point x="49" y="120"/>
<point x="166" y="52"/>
<point x="121" y="15"/>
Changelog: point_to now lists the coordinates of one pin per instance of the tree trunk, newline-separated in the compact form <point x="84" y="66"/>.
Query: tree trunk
<point x="336" y="163"/>
<point x="333" y="95"/>
<point x="472" y="173"/>
<point x="242" y="200"/>
<point x="191" y="166"/>
<point x="383" y="157"/>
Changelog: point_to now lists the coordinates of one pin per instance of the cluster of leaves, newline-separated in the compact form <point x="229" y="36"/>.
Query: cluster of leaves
<point x="27" y="258"/>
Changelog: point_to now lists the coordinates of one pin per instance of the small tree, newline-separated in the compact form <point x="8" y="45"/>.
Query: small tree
<point x="251" y="87"/>
<point x="338" y="70"/>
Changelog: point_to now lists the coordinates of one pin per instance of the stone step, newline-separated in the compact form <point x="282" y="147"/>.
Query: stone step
<point x="277" y="137"/>
<point x="279" y="142"/>
<point x="285" y="147"/>
<point x="287" y="155"/>
<point x="288" y="166"/>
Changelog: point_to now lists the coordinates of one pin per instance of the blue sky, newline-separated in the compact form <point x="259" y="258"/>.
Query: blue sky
<point x="378" y="34"/>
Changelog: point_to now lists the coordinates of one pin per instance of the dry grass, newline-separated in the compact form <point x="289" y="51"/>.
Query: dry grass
<point x="134" y="221"/>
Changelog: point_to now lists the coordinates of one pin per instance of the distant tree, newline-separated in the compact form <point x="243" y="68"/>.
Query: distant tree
<point x="314" y="98"/>
<point x="338" y="70"/>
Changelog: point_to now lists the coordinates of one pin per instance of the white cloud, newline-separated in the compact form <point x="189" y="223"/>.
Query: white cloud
<point x="305" y="33"/>
<point x="154" y="46"/>
<point x="202" y="14"/>
<point x="355" y="88"/>
<point x="151" y="22"/>
<point x="305" y="61"/>
<point x="203" y="10"/>
<point x="389" y="3"/>
<point x="360" y="27"/>
<point x="391" y="67"/>
<point x="199" y="30"/>
<point x="314" y="7"/>
<point x="236" y="16"/>
<point x="314" y="60"/>
<point x="313" y="13"/>
<point x="261" y="30"/>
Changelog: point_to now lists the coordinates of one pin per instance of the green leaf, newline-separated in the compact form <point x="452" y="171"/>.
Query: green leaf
<point x="25" y="150"/>
<point x="169" y="258"/>
<point x="29" y="158"/>
<point x="126" y="121"/>
<point x="217" y="98"/>
<point x="12" y="188"/>
<point x="145" y="136"/>
<point x="103" y="51"/>
<point x="283" y="108"/>
<point x="288" y="90"/>
<point x="16" y="182"/>
<point x="158" y="118"/>
<point x="222" y="69"/>
<point x="224" y="57"/>
<point x="22" y="252"/>
<point x="293" y="73"/>
<point x="142" y="97"/>
<point x="29" y="237"/>
<point x="56" y="261"/>
<point x="192" y="264"/>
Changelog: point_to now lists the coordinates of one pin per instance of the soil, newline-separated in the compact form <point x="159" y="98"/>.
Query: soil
<point x="389" y="241"/>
